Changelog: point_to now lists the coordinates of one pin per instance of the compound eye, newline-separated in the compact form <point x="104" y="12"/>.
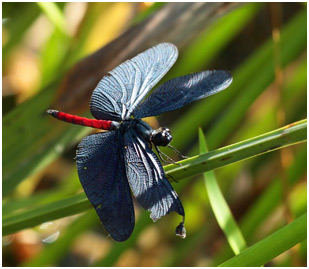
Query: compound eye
<point x="161" y="137"/>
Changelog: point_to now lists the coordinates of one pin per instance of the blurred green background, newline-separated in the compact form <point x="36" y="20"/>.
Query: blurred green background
<point x="263" y="45"/>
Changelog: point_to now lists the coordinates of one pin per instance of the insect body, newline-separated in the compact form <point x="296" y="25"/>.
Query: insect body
<point x="111" y="163"/>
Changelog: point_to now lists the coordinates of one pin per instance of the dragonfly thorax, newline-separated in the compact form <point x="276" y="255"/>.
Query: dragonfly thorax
<point x="139" y="126"/>
<point x="161" y="136"/>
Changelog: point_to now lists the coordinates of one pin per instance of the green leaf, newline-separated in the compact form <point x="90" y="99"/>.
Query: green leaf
<point x="54" y="14"/>
<point x="271" y="246"/>
<point x="40" y="144"/>
<point x="267" y="202"/>
<point x="17" y="25"/>
<point x="211" y="42"/>
<point x="288" y="135"/>
<point x="29" y="218"/>
<point x="220" y="207"/>
<point x="254" y="83"/>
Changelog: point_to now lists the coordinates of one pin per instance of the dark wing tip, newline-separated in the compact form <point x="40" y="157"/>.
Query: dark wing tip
<point x="219" y="80"/>
<point x="228" y="78"/>
<point x="121" y="237"/>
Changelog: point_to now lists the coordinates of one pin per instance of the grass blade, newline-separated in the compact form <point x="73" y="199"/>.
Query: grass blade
<point x="267" y="203"/>
<point x="54" y="14"/>
<point x="271" y="246"/>
<point x="29" y="218"/>
<point x="220" y="207"/>
<point x="287" y="135"/>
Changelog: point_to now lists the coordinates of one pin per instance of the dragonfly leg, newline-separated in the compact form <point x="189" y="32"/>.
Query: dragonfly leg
<point x="172" y="178"/>
<point x="160" y="153"/>
<point x="178" y="152"/>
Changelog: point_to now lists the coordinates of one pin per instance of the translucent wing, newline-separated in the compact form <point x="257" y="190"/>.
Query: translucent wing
<point x="181" y="91"/>
<point x="102" y="174"/>
<point x="118" y="93"/>
<point x="147" y="179"/>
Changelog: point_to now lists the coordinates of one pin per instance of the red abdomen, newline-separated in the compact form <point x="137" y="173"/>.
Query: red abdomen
<point x="99" y="124"/>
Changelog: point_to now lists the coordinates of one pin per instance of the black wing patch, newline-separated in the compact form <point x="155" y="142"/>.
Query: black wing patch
<point x="147" y="179"/>
<point x="102" y="174"/>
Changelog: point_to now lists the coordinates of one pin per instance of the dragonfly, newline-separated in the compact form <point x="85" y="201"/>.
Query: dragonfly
<point x="111" y="163"/>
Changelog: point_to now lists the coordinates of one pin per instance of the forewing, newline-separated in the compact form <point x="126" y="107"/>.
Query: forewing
<point x="118" y="93"/>
<point x="101" y="172"/>
<point x="181" y="91"/>
<point x="147" y="179"/>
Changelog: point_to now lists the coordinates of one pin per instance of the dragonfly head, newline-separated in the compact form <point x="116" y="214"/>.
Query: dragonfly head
<point x="161" y="137"/>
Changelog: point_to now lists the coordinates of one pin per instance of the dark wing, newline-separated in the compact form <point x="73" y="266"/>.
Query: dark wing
<point x="147" y="179"/>
<point x="181" y="91"/>
<point x="102" y="174"/>
<point x="118" y="93"/>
